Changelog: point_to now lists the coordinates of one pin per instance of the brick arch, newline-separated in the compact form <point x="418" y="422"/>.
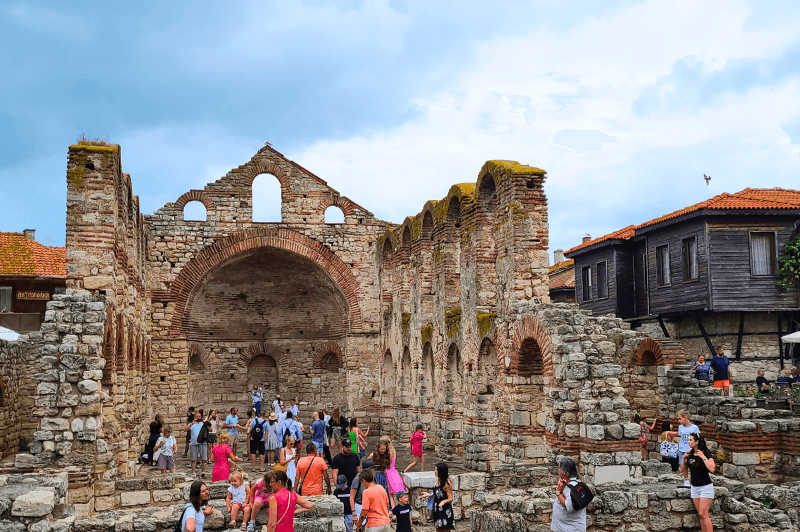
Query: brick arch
<point x="530" y="328"/>
<point x="324" y="349"/>
<point x="267" y="167"/>
<point x="256" y="349"/>
<point x="258" y="237"/>
<point x="195" y="195"/>
<point x="347" y="206"/>
<point x="664" y="352"/>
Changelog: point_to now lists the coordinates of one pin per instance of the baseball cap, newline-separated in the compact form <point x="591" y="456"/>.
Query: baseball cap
<point x="341" y="480"/>
<point x="400" y="494"/>
<point x="367" y="464"/>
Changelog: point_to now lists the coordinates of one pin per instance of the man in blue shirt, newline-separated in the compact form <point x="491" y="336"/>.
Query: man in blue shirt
<point x="719" y="365"/>
<point x="318" y="432"/>
<point x="258" y="395"/>
<point x="293" y="407"/>
<point x="232" y="424"/>
<point x="197" y="450"/>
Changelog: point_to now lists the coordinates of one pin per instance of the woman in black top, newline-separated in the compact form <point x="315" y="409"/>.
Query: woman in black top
<point x="155" y="432"/>
<point x="442" y="499"/>
<point x="700" y="466"/>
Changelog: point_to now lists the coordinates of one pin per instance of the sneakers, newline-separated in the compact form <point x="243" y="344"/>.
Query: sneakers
<point x="250" y="526"/>
<point x="685" y="485"/>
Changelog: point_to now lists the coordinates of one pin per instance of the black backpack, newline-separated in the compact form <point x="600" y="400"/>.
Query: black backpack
<point x="257" y="432"/>
<point x="202" y="436"/>
<point x="179" y="524"/>
<point x="580" y="494"/>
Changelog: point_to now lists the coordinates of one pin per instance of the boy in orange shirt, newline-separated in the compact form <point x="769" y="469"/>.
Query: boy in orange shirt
<point x="374" y="505"/>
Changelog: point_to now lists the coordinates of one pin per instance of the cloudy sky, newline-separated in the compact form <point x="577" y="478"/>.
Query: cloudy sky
<point x="625" y="104"/>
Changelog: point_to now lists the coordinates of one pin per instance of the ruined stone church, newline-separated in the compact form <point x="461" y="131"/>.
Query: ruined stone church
<point x="443" y="320"/>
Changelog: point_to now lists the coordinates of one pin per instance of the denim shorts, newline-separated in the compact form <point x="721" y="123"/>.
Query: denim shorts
<point x="703" y="492"/>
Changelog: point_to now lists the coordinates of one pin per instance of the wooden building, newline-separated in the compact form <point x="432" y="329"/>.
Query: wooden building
<point x="709" y="270"/>
<point x="30" y="274"/>
<point x="562" y="279"/>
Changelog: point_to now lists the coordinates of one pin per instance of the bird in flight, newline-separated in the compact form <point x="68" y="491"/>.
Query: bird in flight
<point x="707" y="178"/>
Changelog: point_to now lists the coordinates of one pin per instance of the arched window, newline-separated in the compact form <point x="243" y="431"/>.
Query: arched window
<point x="263" y="371"/>
<point x="334" y="215"/>
<point x="266" y="199"/>
<point x="648" y="359"/>
<point x="454" y="212"/>
<point x="406" y="369"/>
<point x="195" y="211"/>
<point x="330" y="363"/>
<point x="453" y="384"/>
<point x="427" y="370"/>
<point x="530" y="359"/>
<point x="487" y="367"/>
<point x="487" y="196"/>
<point x="427" y="227"/>
<point x="388" y="375"/>
<point x="196" y="352"/>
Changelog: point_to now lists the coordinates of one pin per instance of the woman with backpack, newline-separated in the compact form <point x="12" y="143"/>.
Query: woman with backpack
<point x="194" y="515"/>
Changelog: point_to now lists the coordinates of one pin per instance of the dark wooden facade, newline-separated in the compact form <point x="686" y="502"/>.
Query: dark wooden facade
<point x="722" y="280"/>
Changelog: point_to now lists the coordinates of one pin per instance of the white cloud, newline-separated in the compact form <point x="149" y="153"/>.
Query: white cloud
<point x="585" y="78"/>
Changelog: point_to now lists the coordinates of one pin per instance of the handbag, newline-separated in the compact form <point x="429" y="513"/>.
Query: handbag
<point x="430" y="502"/>
<point x="669" y="449"/>
<point x="300" y="484"/>
<point x="361" y="443"/>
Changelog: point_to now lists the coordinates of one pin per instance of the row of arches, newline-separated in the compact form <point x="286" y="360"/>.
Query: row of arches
<point x="260" y="364"/>
<point x="453" y="217"/>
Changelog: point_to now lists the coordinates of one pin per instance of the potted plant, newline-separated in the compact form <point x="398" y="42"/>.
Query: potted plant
<point x="794" y="395"/>
<point x="761" y="402"/>
<point x="776" y="400"/>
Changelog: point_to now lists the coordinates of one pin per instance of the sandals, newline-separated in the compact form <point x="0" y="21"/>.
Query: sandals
<point x="263" y="470"/>
<point x="243" y="527"/>
<point x="232" y="524"/>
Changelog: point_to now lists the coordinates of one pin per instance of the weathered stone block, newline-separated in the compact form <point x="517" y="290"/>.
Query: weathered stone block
<point x="611" y="473"/>
<point x="134" y="498"/>
<point x="35" y="503"/>
<point x="745" y="459"/>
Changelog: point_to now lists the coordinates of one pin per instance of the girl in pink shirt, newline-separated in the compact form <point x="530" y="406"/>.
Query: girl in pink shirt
<point x="416" y="448"/>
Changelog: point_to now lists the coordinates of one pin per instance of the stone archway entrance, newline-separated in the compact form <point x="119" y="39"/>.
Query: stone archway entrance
<point x="269" y="317"/>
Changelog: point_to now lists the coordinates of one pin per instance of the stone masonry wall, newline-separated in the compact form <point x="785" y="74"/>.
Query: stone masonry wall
<point x="750" y="443"/>
<point x="321" y="297"/>
<point x="11" y="364"/>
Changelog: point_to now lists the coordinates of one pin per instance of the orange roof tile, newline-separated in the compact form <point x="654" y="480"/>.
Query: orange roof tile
<point x="23" y="257"/>
<point x="747" y="199"/>
<point x="562" y="275"/>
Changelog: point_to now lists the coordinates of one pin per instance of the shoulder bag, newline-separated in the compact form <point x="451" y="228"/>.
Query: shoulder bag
<point x="300" y="484"/>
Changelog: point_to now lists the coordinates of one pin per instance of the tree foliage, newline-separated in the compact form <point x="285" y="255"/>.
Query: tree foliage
<point x="789" y="265"/>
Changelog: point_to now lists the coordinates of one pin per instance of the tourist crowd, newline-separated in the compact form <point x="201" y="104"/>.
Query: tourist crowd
<point x="295" y="463"/>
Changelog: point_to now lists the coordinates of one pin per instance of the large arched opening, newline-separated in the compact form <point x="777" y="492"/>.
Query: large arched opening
<point x="266" y="296"/>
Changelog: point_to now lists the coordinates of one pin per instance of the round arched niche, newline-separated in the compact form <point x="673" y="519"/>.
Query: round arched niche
<point x="266" y="294"/>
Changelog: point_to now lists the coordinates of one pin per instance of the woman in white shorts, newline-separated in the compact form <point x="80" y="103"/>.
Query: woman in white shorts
<point x="700" y="466"/>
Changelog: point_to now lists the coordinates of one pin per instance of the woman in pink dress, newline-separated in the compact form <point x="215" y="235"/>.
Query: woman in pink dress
<point x="392" y="475"/>
<point x="283" y="503"/>
<point x="220" y="456"/>
<point x="416" y="448"/>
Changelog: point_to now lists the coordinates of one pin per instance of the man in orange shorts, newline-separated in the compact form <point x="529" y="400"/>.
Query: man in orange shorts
<point x="722" y="376"/>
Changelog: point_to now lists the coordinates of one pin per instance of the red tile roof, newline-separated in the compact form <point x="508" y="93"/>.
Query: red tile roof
<point x="747" y="199"/>
<point x="562" y="275"/>
<point x="22" y="257"/>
